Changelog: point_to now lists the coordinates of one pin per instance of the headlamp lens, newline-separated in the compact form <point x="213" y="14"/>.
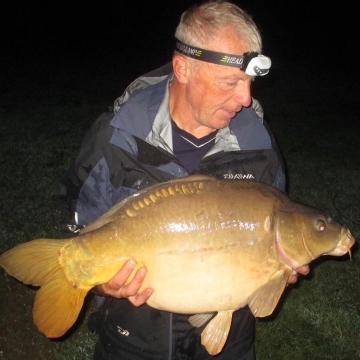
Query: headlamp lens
<point x="258" y="66"/>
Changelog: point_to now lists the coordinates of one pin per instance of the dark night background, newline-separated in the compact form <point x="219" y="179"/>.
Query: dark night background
<point x="117" y="41"/>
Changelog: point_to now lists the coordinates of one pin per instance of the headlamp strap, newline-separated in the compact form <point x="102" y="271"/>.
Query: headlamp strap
<point x="239" y="61"/>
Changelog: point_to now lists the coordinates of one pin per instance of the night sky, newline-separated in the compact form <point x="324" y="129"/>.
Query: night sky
<point x="136" y="28"/>
<point x="137" y="38"/>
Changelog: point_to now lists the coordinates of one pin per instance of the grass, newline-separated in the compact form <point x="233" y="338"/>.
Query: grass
<point x="44" y="113"/>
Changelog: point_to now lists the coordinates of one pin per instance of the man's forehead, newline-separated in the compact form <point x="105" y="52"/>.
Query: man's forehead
<point x="222" y="72"/>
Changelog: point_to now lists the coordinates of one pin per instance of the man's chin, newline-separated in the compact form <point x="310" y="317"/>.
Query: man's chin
<point x="223" y="122"/>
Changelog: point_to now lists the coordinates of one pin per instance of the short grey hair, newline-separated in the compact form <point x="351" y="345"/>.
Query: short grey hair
<point x="201" y="23"/>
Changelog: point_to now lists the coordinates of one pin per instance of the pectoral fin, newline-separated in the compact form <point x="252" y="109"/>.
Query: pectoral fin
<point x="216" y="332"/>
<point x="264" y="300"/>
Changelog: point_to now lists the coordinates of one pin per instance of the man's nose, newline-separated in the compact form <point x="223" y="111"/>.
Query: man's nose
<point x="243" y="93"/>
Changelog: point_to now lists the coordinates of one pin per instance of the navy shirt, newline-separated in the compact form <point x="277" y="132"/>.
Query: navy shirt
<point x="190" y="149"/>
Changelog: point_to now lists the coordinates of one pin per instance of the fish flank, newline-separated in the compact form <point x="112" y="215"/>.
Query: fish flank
<point x="204" y="249"/>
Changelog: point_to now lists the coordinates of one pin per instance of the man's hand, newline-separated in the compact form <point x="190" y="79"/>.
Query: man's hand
<point x="117" y="286"/>
<point x="303" y="270"/>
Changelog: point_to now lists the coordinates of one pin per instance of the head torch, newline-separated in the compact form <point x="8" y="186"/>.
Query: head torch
<point x="252" y="63"/>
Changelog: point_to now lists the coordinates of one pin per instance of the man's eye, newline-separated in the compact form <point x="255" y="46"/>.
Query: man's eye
<point x="227" y="86"/>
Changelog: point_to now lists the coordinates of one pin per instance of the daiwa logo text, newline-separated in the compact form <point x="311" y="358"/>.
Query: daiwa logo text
<point x="238" y="176"/>
<point x="122" y="331"/>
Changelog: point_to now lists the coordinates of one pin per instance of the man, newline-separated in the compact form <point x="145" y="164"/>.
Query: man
<point x="195" y="115"/>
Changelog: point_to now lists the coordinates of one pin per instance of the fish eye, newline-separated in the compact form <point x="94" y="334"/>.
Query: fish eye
<point x="320" y="225"/>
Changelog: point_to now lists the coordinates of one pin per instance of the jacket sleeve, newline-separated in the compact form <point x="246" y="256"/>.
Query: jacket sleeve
<point x="85" y="185"/>
<point x="279" y="180"/>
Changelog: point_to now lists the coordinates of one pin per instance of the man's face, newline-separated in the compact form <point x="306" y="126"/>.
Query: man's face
<point x="216" y="93"/>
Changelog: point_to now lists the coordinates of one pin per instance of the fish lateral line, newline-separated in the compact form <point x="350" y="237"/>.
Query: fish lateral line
<point x="204" y="249"/>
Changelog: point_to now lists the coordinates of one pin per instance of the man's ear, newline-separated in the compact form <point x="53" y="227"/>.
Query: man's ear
<point x="181" y="67"/>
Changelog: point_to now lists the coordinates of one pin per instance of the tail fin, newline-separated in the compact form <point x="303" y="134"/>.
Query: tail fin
<point x="58" y="302"/>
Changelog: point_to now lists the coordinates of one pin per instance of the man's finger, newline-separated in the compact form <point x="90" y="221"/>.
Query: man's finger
<point x="119" y="279"/>
<point x="133" y="287"/>
<point x="140" y="299"/>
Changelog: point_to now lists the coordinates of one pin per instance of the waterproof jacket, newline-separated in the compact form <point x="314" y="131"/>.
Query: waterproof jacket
<point x="130" y="149"/>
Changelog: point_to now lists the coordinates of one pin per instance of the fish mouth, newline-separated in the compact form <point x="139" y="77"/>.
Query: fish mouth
<point x="344" y="245"/>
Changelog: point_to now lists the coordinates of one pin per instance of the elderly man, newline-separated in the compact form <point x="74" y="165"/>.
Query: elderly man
<point x="193" y="115"/>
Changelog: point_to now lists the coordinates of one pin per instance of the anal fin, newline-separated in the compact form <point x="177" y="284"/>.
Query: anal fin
<point x="216" y="332"/>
